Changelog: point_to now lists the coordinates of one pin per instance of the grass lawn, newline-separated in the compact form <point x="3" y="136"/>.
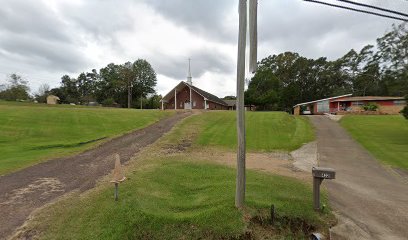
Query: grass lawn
<point x="265" y="131"/>
<point x="30" y="133"/>
<point x="182" y="199"/>
<point x="386" y="137"/>
<point x="176" y="196"/>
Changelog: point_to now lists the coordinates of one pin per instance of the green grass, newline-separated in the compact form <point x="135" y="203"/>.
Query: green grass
<point x="179" y="197"/>
<point x="265" y="131"/>
<point x="178" y="200"/>
<point x="386" y="137"/>
<point x="30" y="133"/>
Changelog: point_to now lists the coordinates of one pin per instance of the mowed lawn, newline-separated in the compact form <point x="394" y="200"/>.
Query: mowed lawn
<point x="386" y="137"/>
<point x="176" y="197"/>
<point x="30" y="133"/>
<point x="265" y="131"/>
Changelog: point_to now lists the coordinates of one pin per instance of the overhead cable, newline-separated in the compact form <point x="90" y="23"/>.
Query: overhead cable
<point x="374" y="7"/>
<point x="358" y="10"/>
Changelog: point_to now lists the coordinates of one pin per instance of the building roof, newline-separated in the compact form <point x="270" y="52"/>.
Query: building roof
<point x="230" y="103"/>
<point x="324" y="99"/>
<point x="53" y="96"/>
<point x="368" y="98"/>
<point x="208" y="96"/>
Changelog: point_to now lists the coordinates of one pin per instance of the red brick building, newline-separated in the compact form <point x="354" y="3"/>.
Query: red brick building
<point x="179" y="98"/>
<point x="346" y="104"/>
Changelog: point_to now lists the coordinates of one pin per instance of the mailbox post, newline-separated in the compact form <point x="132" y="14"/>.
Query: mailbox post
<point x="319" y="174"/>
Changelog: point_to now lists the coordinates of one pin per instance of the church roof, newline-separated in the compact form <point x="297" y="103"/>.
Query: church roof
<point x="210" y="97"/>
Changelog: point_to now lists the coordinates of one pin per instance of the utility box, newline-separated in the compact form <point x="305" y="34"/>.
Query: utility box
<point x="319" y="174"/>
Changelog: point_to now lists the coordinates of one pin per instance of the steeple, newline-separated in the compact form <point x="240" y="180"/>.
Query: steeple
<point x="189" y="78"/>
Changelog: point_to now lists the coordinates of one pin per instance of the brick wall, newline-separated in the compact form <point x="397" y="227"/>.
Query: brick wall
<point x="386" y="109"/>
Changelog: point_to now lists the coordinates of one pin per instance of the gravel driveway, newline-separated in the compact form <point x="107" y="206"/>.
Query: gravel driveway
<point x="370" y="200"/>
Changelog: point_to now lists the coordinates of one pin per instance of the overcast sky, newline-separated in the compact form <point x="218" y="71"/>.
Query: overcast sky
<point x="43" y="40"/>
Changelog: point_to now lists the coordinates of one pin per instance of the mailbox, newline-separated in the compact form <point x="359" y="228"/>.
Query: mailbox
<point x="325" y="173"/>
<point x="319" y="174"/>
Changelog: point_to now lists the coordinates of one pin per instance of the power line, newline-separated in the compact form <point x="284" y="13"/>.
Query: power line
<point x="374" y="7"/>
<point x="358" y="10"/>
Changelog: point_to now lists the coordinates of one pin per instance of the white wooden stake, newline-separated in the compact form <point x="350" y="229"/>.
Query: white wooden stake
<point x="240" y="182"/>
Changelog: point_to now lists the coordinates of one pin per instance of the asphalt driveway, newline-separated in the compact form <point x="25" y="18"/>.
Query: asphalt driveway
<point x="370" y="200"/>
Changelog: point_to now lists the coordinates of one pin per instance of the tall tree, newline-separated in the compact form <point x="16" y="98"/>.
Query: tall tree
<point x="16" y="89"/>
<point x="43" y="91"/>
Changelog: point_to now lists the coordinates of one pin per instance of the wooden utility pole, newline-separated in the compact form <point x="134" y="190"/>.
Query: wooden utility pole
<point x="240" y="182"/>
<point x="129" y="94"/>
<point x="141" y="101"/>
<point x="242" y="35"/>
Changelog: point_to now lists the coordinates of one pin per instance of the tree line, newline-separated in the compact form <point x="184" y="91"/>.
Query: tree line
<point x="113" y="85"/>
<point x="286" y="79"/>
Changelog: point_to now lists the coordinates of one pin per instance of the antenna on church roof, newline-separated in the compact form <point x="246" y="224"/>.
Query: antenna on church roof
<point x="189" y="78"/>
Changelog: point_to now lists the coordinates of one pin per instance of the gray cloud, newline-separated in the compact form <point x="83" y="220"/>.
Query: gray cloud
<point x="35" y="39"/>
<point x="100" y="19"/>
<point x="315" y="30"/>
<point x="202" y="17"/>
<point x="31" y="18"/>
<point x="202" y="60"/>
<point x="31" y="35"/>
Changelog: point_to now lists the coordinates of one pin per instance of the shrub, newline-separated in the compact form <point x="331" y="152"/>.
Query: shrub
<point x="108" y="102"/>
<point x="404" y="111"/>
<point x="370" y="107"/>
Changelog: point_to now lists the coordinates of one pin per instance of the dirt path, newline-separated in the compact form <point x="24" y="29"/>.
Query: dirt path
<point x="33" y="187"/>
<point x="371" y="200"/>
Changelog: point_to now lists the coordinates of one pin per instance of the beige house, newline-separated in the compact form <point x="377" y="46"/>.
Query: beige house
<point x="51" y="99"/>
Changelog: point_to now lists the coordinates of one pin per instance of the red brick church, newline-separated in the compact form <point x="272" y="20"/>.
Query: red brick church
<point x="187" y="96"/>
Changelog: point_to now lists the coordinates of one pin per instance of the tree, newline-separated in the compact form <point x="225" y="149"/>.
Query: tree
<point x="17" y="89"/>
<point x="152" y="102"/>
<point x="144" y="78"/>
<point x="109" y="84"/>
<point x="126" y="81"/>
<point x="139" y="79"/>
<point x="69" y="90"/>
<point x="286" y="79"/>
<point x="230" y="98"/>
<point x="42" y="93"/>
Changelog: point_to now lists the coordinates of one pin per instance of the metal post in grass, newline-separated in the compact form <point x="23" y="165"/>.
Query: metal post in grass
<point x="242" y="35"/>
<point x="118" y="176"/>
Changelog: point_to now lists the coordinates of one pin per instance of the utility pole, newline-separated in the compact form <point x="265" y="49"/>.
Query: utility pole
<point x="242" y="35"/>
<point x="141" y="101"/>
<point x="129" y="94"/>
<point x="240" y="182"/>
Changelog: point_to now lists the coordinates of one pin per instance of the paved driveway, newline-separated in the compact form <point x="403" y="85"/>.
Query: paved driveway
<point x="371" y="200"/>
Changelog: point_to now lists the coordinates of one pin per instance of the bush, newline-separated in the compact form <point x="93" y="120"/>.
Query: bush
<point x="370" y="107"/>
<point x="404" y="111"/>
<point x="108" y="102"/>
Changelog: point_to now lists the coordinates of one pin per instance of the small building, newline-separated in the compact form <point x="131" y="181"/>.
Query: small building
<point x="52" y="99"/>
<point x="231" y="104"/>
<point x="346" y="104"/>
<point x="320" y="106"/>
<point x="187" y="96"/>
